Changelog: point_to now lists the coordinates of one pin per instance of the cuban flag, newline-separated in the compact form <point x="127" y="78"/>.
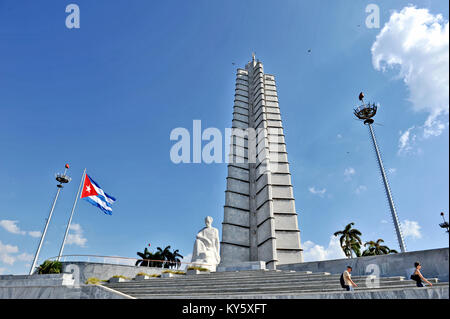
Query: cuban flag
<point x="93" y="193"/>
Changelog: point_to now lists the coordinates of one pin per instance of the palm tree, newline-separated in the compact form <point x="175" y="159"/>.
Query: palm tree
<point x="174" y="260"/>
<point x="166" y="255"/>
<point x="350" y="240"/>
<point x="376" y="248"/>
<point x="168" y="259"/>
<point x="148" y="259"/>
<point x="356" y="247"/>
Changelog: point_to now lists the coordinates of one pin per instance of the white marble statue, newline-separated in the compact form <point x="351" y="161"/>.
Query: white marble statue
<point x="206" y="252"/>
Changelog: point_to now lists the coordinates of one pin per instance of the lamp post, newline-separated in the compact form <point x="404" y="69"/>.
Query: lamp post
<point x="366" y="112"/>
<point x="62" y="179"/>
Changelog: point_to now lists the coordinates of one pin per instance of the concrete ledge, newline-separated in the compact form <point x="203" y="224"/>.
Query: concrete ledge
<point x="49" y="280"/>
<point x="117" y="279"/>
<point x="245" y="265"/>
<point x="411" y="293"/>
<point x="196" y="272"/>
<point x="85" y="270"/>
<point x="82" y="292"/>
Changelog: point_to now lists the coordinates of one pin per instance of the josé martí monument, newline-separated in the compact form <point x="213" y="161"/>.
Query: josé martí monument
<point x="260" y="221"/>
<point x="260" y="228"/>
<point x="260" y="253"/>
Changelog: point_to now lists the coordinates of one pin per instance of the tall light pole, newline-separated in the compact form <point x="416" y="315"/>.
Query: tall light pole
<point x="62" y="179"/>
<point x="366" y="112"/>
<point x="445" y="223"/>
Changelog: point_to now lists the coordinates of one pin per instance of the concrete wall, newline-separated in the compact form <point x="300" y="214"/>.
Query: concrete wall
<point x="84" y="270"/>
<point x="36" y="280"/>
<point x="52" y="286"/>
<point x="435" y="264"/>
<point x="82" y="292"/>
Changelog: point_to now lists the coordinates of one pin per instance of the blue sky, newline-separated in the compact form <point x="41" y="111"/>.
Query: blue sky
<point x="107" y="95"/>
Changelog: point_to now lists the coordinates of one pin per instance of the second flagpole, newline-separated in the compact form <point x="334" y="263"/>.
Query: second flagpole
<point x="71" y="215"/>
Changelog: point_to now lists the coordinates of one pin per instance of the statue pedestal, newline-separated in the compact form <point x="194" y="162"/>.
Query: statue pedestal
<point x="243" y="265"/>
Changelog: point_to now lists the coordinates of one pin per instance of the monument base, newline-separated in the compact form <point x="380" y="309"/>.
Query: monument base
<point x="243" y="265"/>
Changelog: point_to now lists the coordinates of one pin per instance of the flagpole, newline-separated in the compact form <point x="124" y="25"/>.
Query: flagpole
<point x="71" y="215"/>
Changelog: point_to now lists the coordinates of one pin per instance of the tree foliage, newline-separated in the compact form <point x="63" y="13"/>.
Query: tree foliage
<point x="163" y="258"/>
<point x="350" y="240"/>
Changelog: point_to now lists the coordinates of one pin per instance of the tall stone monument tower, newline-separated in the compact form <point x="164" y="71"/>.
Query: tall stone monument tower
<point x="260" y="221"/>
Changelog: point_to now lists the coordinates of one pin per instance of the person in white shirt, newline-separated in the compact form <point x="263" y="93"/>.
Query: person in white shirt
<point x="349" y="284"/>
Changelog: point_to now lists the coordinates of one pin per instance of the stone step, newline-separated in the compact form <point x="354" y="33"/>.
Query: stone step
<point x="251" y="283"/>
<point x="389" y="293"/>
<point x="256" y="288"/>
<point x="262" y="275"/>
<point x="202" y="278"/>
<point x="157" y="282"/>
<point x="265" y="284"/>
<point x="255" y="273"/>
<point x="282" y="291"/>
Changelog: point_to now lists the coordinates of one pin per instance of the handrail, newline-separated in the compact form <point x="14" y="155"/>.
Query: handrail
<point x="131" y="258"/>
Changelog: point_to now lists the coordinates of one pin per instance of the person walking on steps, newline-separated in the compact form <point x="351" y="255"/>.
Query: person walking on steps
<point x="346" y="280"/>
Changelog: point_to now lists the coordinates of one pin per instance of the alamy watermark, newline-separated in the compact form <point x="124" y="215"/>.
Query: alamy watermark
<point x="373" y="19"/>
<point x="263" y="147"/>
<point x="75" y="271"/>
<point x="373" y="280"/>
<point x="73" y="19"/>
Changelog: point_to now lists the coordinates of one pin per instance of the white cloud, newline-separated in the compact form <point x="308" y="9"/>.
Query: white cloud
<point x="411" y="229"/>
<point x="416" y="42"/>
<point x="384" y="221"/>
<point x="315" y="191"/>
<point x="406" y="141"/>
<point x="360" y="189"/>
<point x="314" y="252"/>
<point x="35" y="233"/>
<point x="76" y="237"/>
<point x="11" y="226"/>
<point x="349" y="172"/>
<point x="25" y="257"/>
<point x="392" y="170"/>
<point x="6" y="252"/>
<point x="339" y="136"/>
<point x="2" y="271"/>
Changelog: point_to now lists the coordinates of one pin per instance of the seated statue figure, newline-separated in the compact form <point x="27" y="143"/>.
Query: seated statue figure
<point x="206" y="248"/>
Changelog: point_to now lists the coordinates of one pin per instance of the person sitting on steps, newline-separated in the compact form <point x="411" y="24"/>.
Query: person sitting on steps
<point x="417" y="276"/>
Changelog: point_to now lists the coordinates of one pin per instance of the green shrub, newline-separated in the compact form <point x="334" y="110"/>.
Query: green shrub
<point x="50" y="267"/>
<point x="176" y="272"/>
<point x="120" y="276"/>
<point x="144" y="274"/>
<point x="94" y="281"/>
<point x="197" y="268"/>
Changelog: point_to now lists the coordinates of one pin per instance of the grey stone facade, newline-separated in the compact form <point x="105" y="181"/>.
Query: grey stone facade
<point x="435" y="264"/>
<point x="260" y="221"/>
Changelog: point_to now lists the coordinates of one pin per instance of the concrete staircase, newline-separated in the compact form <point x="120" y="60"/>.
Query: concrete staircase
<point x="274" y="284"/>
